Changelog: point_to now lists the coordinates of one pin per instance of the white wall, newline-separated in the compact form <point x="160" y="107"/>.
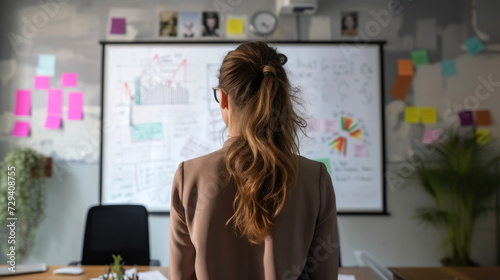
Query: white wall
<point x="397" y="240"/>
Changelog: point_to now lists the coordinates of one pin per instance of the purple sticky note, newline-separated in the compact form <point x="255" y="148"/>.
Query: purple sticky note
<point x="54" y="102"/>
<point x="21" y="129"/>
<point x="53" y="122"/>
<point x="430" y="135"/>
<point x="466" y="118"/>
<point x="23" y="102"/>
<point x="118" y="25"/>
<point x="69" y="79"/>
<point x="75" y="103"/>
<point x="42" y="82"/>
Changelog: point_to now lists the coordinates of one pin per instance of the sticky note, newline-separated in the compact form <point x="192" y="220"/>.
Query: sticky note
<point x="326" y="161"/>
<point x="419" y="57"/>
<point x="46" y="61"/>
<point x="403" y="79"/>
<point x="448" y="68"/>
<point x="428" y="115"/>
<point x="234" y="26"/>
<point x="53" y="122"/>
<point x="54" y="102"/>
<point x="430" y="136"/>
<point x="412" y="115"/>
<point x="42" y="82"/>
<point x="23" y="103"/>
<point x="360" y="150"/>
<point x="483" y="117"/>
<point x="483" y="136"/>
<point x="118" y="25"/>
<point x="147" y="131"/>
<point x="69" y="79"/>
<point x="21" y="129"/>
<point x="474" y="45"/>
<point x="466" y="118"/>
<point x="42" y="71"/>
<point x="75" y="104"/>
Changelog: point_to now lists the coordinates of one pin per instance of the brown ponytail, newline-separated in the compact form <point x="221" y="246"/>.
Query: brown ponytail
<point x="262" y="160"/>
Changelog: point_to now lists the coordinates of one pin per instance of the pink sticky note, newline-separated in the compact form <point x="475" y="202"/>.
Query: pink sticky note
<point x="54" y="102"/>
<point x="361" y="150"/>
<point x="42" y="82"/>
<point x="69" y="79"/>
<point x="53" y="122"/>
<point x="430" y="136"/>
<point x="75" y="103"/>
<point x="21" y="129"/>
<point x="23" y="102"/>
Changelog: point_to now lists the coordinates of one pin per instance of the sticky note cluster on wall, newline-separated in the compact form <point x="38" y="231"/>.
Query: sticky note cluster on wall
<point x="403" y="80"/>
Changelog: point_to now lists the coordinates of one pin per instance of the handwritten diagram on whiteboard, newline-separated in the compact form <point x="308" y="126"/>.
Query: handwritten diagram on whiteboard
<point x="158" y="110"/>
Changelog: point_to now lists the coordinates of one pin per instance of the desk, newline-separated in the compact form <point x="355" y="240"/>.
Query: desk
<point x="443" y="273"/>
<point x="91" y="271"/>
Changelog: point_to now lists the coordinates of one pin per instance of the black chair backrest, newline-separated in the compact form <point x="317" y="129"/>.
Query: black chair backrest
<point x="116" y="229"/>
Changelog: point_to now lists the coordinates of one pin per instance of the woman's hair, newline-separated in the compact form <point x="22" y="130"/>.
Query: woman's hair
<point x="262" y="160"/>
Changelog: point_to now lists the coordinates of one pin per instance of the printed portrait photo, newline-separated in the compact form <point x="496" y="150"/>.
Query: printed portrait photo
<point x="168" y="24"/>
<point x="189" y="24"/>
<point x="349" y="24"/>
<point x="210" y="24"/>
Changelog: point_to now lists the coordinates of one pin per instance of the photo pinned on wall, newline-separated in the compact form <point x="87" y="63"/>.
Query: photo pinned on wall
<point x="189" y="24"/>
<point x="211" y="24"/>
<point x="349" y="23"/>
<point x="168" y="24"/>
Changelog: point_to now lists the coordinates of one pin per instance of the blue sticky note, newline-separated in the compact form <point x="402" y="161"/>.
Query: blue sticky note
<point x="44" y="71"/>
<point x="474" y="45"/>
<point x="46" y="61"/>
<point x="448" y="68"/>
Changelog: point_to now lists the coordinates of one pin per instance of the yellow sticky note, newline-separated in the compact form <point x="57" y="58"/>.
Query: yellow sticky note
<point x="412" y="115"/>
<point x="234" y="26"/>
<point x="483" y="136"/>
<point x="428" y="115"/>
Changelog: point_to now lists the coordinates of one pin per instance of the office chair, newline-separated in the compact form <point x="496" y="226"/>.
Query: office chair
<point x="116" y="229"/>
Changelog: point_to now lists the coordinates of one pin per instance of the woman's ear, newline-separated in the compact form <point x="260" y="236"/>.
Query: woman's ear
<point x="224" y="102"/>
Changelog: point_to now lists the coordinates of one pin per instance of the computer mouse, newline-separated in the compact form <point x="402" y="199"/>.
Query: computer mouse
<point x="73" y="270"/>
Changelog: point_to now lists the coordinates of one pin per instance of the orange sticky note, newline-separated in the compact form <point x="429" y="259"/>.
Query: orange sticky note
<point x="403" y="80"/>
<point x="483" y="117"/>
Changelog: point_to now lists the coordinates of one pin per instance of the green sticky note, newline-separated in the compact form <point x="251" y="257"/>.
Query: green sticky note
<point x="147" y="131"/>
<point x="326" y="161"/>
<point x="419" y="57"/>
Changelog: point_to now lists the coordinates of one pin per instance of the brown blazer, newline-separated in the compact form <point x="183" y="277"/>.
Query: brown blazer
<point x="303" y="242"/>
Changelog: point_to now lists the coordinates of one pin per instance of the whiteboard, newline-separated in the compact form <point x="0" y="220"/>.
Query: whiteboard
<point x="158" y="110"/>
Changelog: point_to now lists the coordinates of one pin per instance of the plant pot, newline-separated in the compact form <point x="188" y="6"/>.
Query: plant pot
<point x="449" y="261"/>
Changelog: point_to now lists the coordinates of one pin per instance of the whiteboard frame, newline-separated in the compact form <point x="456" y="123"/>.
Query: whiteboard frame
<point x="380" y="45"/>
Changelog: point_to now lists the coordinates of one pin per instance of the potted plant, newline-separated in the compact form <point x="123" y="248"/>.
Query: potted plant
<point x="22" y="199"/>
<point x="461" y="175"/>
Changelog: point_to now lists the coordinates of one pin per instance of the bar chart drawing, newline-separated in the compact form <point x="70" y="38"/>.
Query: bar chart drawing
<point x="155" y="87"/>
